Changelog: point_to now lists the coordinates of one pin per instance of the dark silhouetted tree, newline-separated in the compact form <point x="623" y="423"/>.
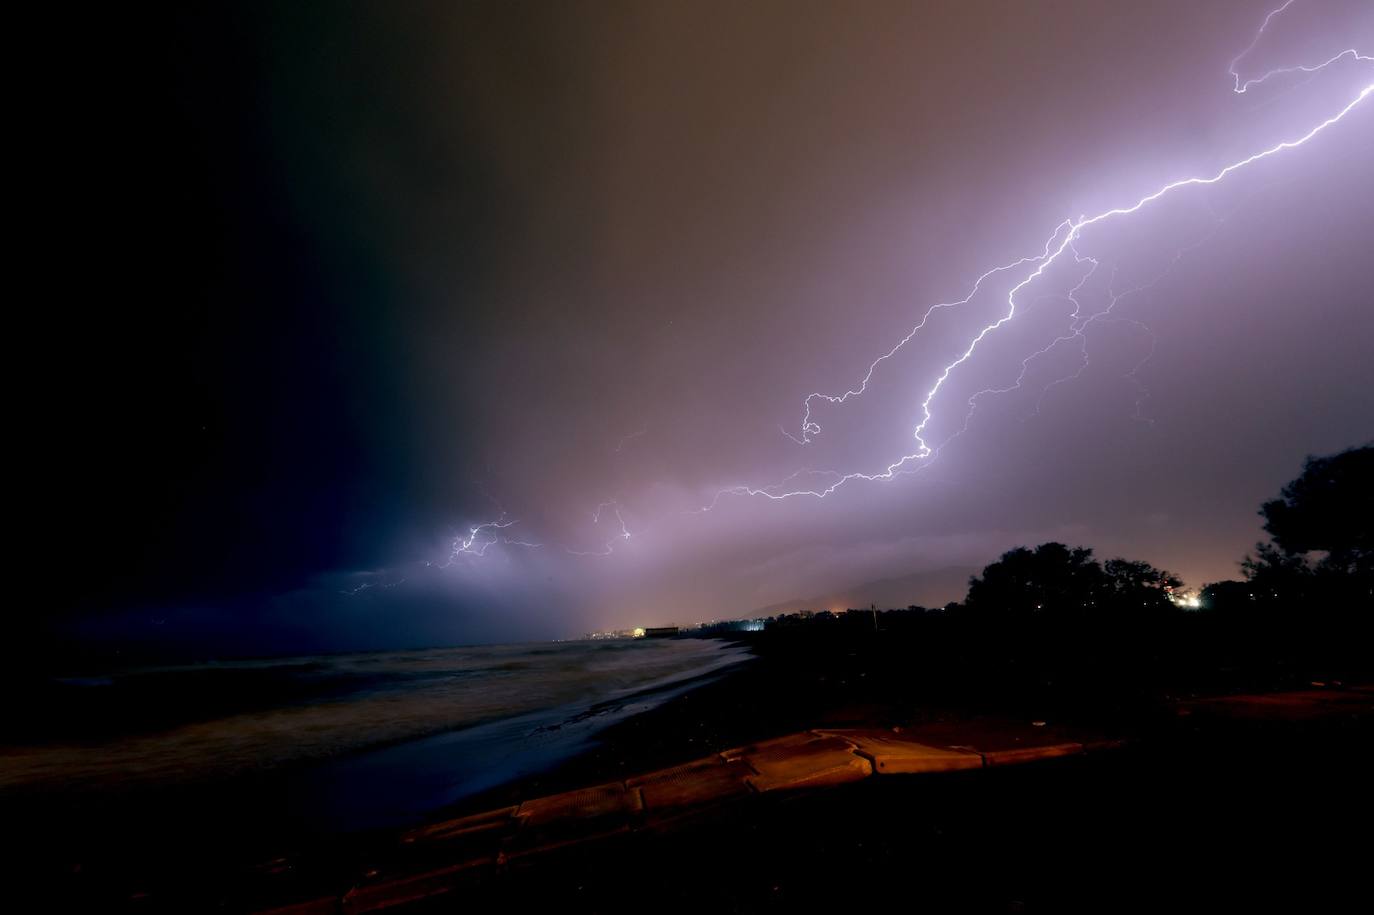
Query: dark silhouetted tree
<point x="1228" y="597"/>
<point x="1329" y="509"/>
<point x="1056" y="628"/>
<point x="1051" y="580"/>
<point x="1056" y="581"/>
<point x="1322" y="531"/>
<point x="1138" y="586"/>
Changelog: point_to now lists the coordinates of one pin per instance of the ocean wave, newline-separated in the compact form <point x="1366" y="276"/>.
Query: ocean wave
<point x="331" y="706"/>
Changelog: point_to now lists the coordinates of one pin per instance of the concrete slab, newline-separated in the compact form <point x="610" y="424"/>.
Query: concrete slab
<point x="805" y="763"/>
<point x="451" y="854"/>
<point x="476" y="838"/>
<point x="891" y="754"/>
<point x="1031" y="753"/>
<point x="999" y="741"/>
<point x="675" y="791"/>
<point x="1103" y="745"/>
<point x="574" y="816"/>
<point x="798" y="739"/>
<point x="584" y="803"/>
<point x="463" y="827"/>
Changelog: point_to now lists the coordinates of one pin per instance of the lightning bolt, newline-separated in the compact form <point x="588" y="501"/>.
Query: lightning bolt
<point x="1063" y="239"/>
<point x="626" y="439"/>
<point x="1064" y="243"/>
<point x="1241" y="86"/>
<point x="620" y="537"/>
<point x="810" y="427"/>
<point x="1078" y="326"/>
<point x="369" y="585"/>
<point x="478" y="540"/>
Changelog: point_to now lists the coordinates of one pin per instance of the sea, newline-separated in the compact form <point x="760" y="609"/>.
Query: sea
<point x="333" y="743"/>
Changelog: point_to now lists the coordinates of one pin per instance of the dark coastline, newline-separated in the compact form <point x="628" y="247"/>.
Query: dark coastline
<point x="105" y="845"/>
<point x="1185" y="818"/>
<point x="1260" y="819"/>
<point x="1254" y="789"/>
<point x="913" y="672"/>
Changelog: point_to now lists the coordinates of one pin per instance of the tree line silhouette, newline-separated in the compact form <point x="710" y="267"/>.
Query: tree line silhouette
<point x="1052" y="630"/>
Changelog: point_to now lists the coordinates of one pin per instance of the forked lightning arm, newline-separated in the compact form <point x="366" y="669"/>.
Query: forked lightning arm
<point x="1063" y="239"/>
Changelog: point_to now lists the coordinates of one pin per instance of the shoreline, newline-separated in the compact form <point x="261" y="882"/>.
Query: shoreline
<point x="408" y="782"/>
<point x="814" y="680"/>
<point x="778" y="691"/>
<point x="125" y="835"/>
<point x="774" y="685"/>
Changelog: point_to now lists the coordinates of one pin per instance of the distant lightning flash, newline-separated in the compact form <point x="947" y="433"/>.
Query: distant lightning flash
<point x="369" y="585"/>
<point x="622" y="536"/>
<point x="481" y="537"/>
<point x="1063" y="239"/>
<point x="626" y="439"/>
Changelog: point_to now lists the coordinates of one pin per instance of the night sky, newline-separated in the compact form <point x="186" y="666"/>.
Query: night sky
<point x="327" y="286"/>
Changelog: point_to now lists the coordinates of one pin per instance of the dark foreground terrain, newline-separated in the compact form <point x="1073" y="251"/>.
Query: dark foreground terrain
<point x="1213" y="803"/>
<point x="1230" y="816"/>
<point x="1253" y="797"/>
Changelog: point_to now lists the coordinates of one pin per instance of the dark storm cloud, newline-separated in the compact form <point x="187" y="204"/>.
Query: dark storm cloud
<point x="413" y="262"/>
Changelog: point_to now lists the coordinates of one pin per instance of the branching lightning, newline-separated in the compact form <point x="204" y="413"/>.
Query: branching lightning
<point x="1065" y="242"/>
<point x="810" y="427"/>
<point x="1064" y="238"/>
<point x="1241" y="85"/>
<point x="481" y="537"/>
<point x="620" y="537"/>
<point x="1079" y="324"/>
